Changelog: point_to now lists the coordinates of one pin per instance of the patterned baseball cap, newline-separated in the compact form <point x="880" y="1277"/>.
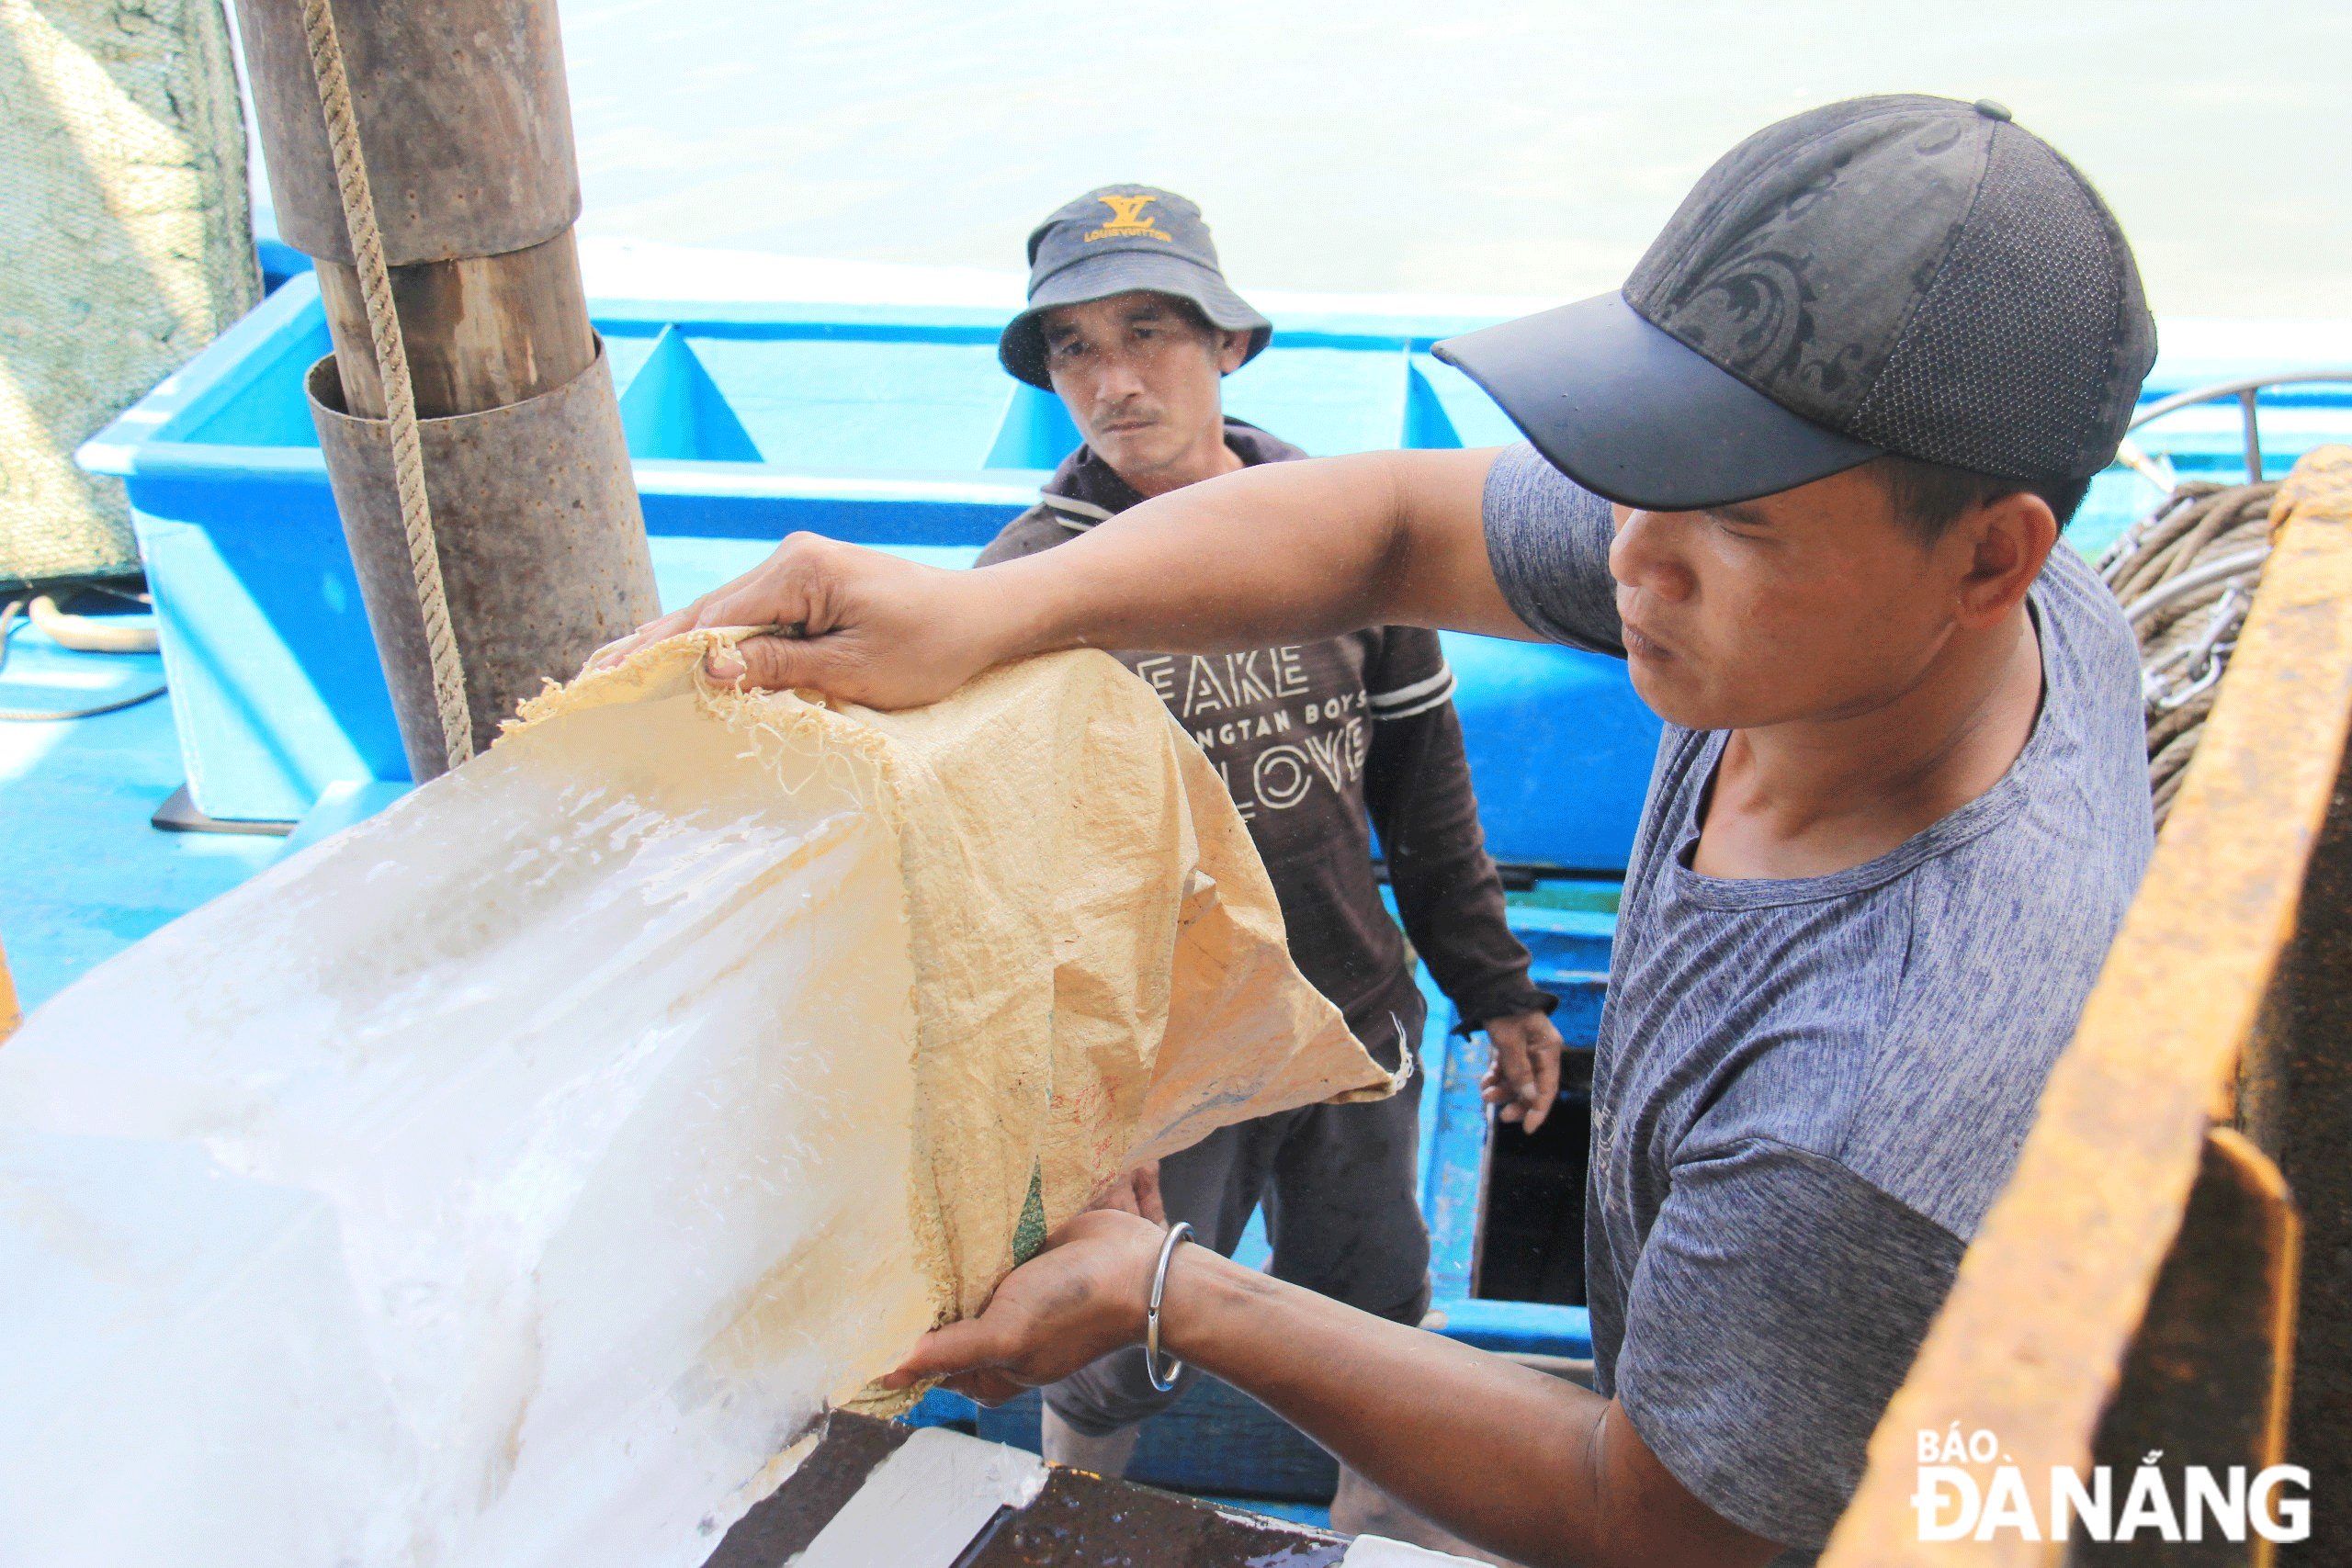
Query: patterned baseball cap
<point x="1115" y="240"/>
<point x="1905" y="275"/>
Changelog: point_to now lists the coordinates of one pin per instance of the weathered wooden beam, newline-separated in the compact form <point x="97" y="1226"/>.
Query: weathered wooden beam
<point x="2032" y="1344"/>
<point x="2205" y="1382"/>
<point x="463" y="115"/>
<point x="483" y="332"/>
<point x="2295" y="1102"/>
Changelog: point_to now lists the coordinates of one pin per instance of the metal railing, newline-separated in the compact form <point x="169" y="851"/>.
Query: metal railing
<point x="2247" y="393"/>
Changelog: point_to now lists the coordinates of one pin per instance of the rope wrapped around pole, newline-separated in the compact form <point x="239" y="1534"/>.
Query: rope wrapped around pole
<point x="393" y="370"/>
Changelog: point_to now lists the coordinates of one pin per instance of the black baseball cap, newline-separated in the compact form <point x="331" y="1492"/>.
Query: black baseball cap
<point x="1904" y="274"/>
<point x="1114" y="241"/>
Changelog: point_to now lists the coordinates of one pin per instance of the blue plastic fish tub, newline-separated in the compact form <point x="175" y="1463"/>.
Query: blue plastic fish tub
<point x="892" y="427"/>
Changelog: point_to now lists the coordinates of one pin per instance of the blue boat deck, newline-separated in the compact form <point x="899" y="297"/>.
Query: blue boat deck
<point x="87" y="876"/>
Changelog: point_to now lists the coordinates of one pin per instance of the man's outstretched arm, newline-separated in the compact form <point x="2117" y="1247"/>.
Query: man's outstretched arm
<point x="1520" y="1462"/>
<point x="1281" y="552"/>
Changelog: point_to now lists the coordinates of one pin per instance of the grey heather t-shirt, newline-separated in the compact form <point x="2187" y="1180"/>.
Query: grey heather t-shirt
<point x="1808" y="1092"/>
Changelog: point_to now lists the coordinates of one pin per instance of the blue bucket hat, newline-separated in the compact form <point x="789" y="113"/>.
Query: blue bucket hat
<point x="1115" y="240"/>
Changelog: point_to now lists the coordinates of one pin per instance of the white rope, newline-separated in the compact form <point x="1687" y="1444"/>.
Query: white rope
<point x="391" y="368"/>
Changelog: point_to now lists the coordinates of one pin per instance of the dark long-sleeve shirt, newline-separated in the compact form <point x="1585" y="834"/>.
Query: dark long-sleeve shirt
<point x="1320" y="743"/>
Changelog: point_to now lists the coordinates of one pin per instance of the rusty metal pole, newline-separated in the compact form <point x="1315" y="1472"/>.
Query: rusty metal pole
<point x="466" y="125"/>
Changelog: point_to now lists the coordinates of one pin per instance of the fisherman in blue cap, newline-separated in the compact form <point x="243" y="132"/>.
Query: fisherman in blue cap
<point x="1131" y="323"/>
<point x="1806" y="472"/>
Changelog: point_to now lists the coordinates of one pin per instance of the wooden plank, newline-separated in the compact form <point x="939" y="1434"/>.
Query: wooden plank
<point x="926" y="1503"/>
<point x="2030" y="1345"/>
<point x="781" y="1525"/>
<point x="1083" y="1521"/>
<point x="876" y="1493"/>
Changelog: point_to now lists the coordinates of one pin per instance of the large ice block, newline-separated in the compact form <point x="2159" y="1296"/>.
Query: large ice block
<point x="479" y="1188"/>
<point x="508" y="1179"/>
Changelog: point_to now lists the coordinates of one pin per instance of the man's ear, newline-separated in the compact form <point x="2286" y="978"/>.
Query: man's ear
<point x="1232" y="348"/>
<point x="2008" y="539"/>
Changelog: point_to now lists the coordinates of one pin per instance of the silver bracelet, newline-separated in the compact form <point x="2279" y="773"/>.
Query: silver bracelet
<point x="1163" y="1381"/>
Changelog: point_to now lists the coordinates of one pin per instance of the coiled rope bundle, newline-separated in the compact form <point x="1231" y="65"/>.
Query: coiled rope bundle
<point x="2187" y="574"/>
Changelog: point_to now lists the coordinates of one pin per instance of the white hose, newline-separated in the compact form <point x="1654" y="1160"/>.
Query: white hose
<point x="89" y="634"/>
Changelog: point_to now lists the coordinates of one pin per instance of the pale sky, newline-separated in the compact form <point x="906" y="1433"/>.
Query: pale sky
<point x="1475" y="146"/>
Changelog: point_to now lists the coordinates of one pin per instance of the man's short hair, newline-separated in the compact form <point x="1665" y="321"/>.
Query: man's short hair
<point x="1930" y="497"/>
